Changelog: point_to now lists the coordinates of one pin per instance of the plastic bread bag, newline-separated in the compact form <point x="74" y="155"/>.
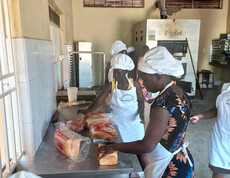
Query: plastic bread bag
<point x="76" y="125"/>
<point x="104" y="131"/>
<point x="113" y="118"/>
<point x="93" y="114"/>
<point x="71" y="144"/>
<point x="95" y="117"/>
<point x="62" y="118"/>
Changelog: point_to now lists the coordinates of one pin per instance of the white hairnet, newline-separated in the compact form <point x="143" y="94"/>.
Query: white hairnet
<point x="117" y="47"/>
<point x="24" y="174"/>
<point x="226" y="86"/>
<point x="130" y="49"/>
<point x="159" y="60"/>
<point x="122" y="61"/>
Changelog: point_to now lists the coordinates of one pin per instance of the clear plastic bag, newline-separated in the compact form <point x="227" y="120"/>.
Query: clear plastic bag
<point x="76" y="125"/>
<point x="104" y="131"/>
<point x="95" y="117"/>
<point x="65" y="118"/>
<point x="71" y="144"/>
<point x="113" y="118"/>
<point x="93" y="114"/>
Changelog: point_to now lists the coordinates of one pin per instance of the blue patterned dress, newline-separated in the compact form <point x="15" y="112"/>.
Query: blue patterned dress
<point x="179" y="110"/>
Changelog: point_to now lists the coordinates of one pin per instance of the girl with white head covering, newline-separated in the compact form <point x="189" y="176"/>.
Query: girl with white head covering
<point x="169" y="117"/>
<point x="127" y="101"/>
<point x="118" y="47"/>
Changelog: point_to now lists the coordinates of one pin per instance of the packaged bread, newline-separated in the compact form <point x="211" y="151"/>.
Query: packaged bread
<point x="104" y="131"/>
<point x="93" y="114"/>
<point x="108" y="160"/>
<point x="76" y="125"/>
<point x="95" y="117"/>
<point x="70" y="143"/>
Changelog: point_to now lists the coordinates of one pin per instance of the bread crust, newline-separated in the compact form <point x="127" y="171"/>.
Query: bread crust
<point x="108" y="160"/>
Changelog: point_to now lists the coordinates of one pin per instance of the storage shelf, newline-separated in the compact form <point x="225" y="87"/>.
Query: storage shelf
<point x="220" y="65"/>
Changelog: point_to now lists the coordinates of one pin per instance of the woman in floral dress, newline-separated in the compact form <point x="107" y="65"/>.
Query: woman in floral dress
<point x="179" y="109"/>
<point x="169" y="117"/>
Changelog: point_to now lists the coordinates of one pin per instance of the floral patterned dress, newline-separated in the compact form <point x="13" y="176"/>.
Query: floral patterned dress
<point x="179" y="110"/>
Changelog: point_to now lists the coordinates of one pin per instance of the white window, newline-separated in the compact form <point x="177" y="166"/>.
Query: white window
<point x="114" y="3"/>
<point x="194" y="4"/>
<point x="10" y="137"/>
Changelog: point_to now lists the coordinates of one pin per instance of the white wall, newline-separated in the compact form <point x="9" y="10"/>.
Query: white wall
<point x="35" y="72"/>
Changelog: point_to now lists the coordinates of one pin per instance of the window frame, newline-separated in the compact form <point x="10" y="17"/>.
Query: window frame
<point x="101" y="6"/>
<point x="11" y="144"/>
<point x="192" y="5"/>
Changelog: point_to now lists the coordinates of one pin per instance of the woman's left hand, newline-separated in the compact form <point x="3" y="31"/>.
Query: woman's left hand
<point x="105" y="150"/>
<point x="142" y="118"/>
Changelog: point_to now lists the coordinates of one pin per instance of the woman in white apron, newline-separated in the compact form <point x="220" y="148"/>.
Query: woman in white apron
<point x="125" y="106"/>
<point x="219" y="148"/>
<point x="169" y="117"/>
<point x="127" y="101"/>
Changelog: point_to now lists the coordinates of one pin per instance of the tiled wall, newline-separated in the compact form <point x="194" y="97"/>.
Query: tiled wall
<point x="36" y="88"/>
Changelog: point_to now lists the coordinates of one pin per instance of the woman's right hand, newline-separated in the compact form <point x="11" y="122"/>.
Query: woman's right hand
<point x="194" y="119"/>
<point x="106" y="150"/>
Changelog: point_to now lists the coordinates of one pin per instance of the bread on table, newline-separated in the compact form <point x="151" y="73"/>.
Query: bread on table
<point x="104" y="131"/>
<point x="108" y="160"/>
<point x="71" y="147"/>
<point x="67" y="142"/>
<point x="76" y="125"/>
<point x="95" y="117"/>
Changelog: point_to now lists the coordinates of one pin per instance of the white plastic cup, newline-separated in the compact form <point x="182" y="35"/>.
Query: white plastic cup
<point x="72" y="94"/>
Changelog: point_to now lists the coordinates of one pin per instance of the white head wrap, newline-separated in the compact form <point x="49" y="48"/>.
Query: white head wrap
<point x="226" y="86"/>
<point x="122" y="61"/>
<point x="130" y="49"/>
<point x="117" y="46"/>
<point x="159" y="60"/>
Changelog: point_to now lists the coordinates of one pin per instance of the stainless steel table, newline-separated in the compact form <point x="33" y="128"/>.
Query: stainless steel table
<point x="49" y="162"/>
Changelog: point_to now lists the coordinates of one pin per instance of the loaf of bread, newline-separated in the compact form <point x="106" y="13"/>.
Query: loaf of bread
<point x="71" y="147"/>
<point x="67" y="142"/>
<point x="108" y="160"/>
<point x="104" y="131"/>
<point x="96" y="119"/>
<point x="76" y="125"/>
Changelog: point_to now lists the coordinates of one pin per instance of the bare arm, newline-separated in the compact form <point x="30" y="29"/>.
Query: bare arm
<point x="155" y="130"/>
<point x="140" y="99"/>
<point x="99" y="100"/>
<point x="205" y="115"/>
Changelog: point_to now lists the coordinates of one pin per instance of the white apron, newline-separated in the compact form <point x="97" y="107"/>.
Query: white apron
<point x="220" y="139"/>
<point x="161" y="158"/>
<point x="126" y="109"/>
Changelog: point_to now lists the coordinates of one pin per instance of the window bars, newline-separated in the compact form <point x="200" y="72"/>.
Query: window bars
<point x="10" y="137"/>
